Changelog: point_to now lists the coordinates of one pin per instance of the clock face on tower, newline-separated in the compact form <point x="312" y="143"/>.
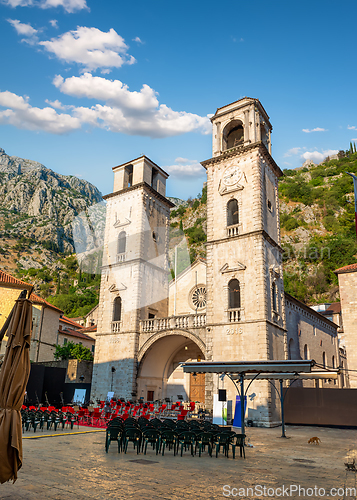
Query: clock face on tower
<point x="231" y="175"/>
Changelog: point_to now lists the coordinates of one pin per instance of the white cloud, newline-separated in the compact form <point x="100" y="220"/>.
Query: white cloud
<point x="54" y="23"/>
<point x="58" y="105"/>
<point x="352" y="127"/>
<point x="90" y="48"/>
<point x="113" y="92"/>
<point x="18" y="3"/>
<point x="317" y="129"/>
<point x="292" y="152"/>
<point x="185" y="168"/>
<point x="318" y="157"/>
<point x="133" y="113"/>
<point x="69" y="6"/>
<point x="21" y="114"/>
<point x="22" y="29"/>
<point x="138" y="40"/>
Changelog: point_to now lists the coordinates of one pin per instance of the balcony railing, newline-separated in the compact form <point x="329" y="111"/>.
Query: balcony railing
<point x="234" y="315"/>
<point x="173" y="322"/>
<point x="233" y="230"/>
<point x="116" y="325"/>
<point x="121" y="257"/>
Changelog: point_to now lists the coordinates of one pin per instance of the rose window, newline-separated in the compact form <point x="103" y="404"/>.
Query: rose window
<point x="199" y="297"/>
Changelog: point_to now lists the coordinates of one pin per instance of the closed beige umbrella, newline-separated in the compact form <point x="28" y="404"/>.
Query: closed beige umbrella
<point x="14" y="375"/>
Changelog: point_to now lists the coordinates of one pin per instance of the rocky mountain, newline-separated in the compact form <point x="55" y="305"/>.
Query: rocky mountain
<point x="37" y="208"/>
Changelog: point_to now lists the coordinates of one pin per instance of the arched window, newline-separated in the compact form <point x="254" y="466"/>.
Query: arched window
<point x="333" y="362"/>
<point x="235" y="137"/>
<point x="306" y="352"/>
<point x="117" y="309"/>
<point x="122" y="242"/>
<point x="234" y="294"/>
<point x="232" y="213"/>
<point x="128" y="176"/>
<point x="273" y="295"/>
<point x="324" y="359"/>
<point x="291" y="349"/>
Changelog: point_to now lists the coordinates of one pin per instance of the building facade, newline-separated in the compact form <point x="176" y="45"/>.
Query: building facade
<point x="231" y="307"/>
<point x="347" y="281"/>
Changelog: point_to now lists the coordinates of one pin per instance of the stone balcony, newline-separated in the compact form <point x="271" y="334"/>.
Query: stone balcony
<point x="234" y="315"/>
<point x="233" y="230"/>
<point x="116" y="326"/>
<point x="173" y="322"/>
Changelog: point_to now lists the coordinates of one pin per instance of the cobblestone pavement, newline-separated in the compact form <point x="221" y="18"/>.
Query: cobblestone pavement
<point x="76" y="467"/>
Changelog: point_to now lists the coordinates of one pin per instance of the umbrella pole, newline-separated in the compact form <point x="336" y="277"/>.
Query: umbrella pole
<point x="8" y="319"/>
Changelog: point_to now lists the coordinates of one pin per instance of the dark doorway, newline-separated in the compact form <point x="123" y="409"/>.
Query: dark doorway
<point x="150" y="396"/>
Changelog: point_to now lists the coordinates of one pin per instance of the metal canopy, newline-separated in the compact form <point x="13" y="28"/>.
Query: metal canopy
<point x="252" y="370"/>
<point x="245" y="367"/>
<point x="333" y="375"/>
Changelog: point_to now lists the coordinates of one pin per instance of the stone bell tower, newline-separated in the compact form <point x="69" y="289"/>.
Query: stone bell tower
<point x="245" y="294"/>
<point x="134" y="279"/>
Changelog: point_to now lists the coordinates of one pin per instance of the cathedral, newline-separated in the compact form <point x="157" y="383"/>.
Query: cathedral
<point x="229" y="307"/>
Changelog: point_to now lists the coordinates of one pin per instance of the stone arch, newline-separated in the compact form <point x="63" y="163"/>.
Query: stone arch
<point x="233" y="135"/>
<point x="159" y="372"/>
<point x="232" y="212"/>
<point x="159" y="335"/>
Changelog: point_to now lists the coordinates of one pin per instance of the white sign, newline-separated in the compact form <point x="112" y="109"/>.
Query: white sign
<point x="79" y="396"/>
<point x="219" y="411"/>
<point x="110" y="396"/>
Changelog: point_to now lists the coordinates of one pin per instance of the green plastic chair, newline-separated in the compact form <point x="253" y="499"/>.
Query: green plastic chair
<point x="113" y="433"/>
<point x="223" y="440"/>
<point x="204" y="439"/>
<point x="134" y="436"/>
<point x="238" y="441"/>
<point x="169" y="438"/>
<point x="151" y="436"/>
<point x="187" y="439"/>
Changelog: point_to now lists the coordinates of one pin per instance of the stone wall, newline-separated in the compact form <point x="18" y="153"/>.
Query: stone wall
<point x="348" y="293"/>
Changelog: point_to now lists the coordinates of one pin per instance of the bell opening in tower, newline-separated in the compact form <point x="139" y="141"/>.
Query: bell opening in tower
<point x="233" y="135"/>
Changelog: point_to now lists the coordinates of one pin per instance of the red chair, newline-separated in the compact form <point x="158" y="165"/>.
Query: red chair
<point x="96" y="416"/>
<point x="182" y="415"/>
<point x="80" y="416"/>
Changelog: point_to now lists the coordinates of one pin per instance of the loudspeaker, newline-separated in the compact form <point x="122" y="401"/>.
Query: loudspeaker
<point x="222" y="395"/>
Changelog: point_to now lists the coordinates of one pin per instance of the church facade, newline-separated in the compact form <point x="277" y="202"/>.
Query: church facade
<point x="230" y="307"/>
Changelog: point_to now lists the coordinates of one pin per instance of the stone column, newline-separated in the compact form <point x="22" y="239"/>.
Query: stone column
<point x="246" y="127"/>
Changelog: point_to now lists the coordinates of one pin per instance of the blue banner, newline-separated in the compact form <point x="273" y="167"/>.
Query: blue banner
<point x="237" y="422"/>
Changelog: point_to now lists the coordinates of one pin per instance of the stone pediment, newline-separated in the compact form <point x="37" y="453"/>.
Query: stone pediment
<point x="229" y="189"/>
<point x="117" y="288"/>
<point x="122" y="223"/>
<point x="237" y="267"/>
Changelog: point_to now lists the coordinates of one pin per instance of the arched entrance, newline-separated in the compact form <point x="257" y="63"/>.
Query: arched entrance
<point x="160" y="374"/>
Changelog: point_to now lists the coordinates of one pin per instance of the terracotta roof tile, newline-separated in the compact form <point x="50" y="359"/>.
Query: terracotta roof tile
<point x="74" y="333"/>
<point x="92" y="328"/>
<point x="70" y="322"/>
<point x="39" y="300"/>
<point x="347" y="269"/>
<point x="7" y="279"/>
<point x="334" y="308"/>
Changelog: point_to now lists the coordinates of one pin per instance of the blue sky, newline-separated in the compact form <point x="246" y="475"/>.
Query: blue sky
<point x="86" y="85"/>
